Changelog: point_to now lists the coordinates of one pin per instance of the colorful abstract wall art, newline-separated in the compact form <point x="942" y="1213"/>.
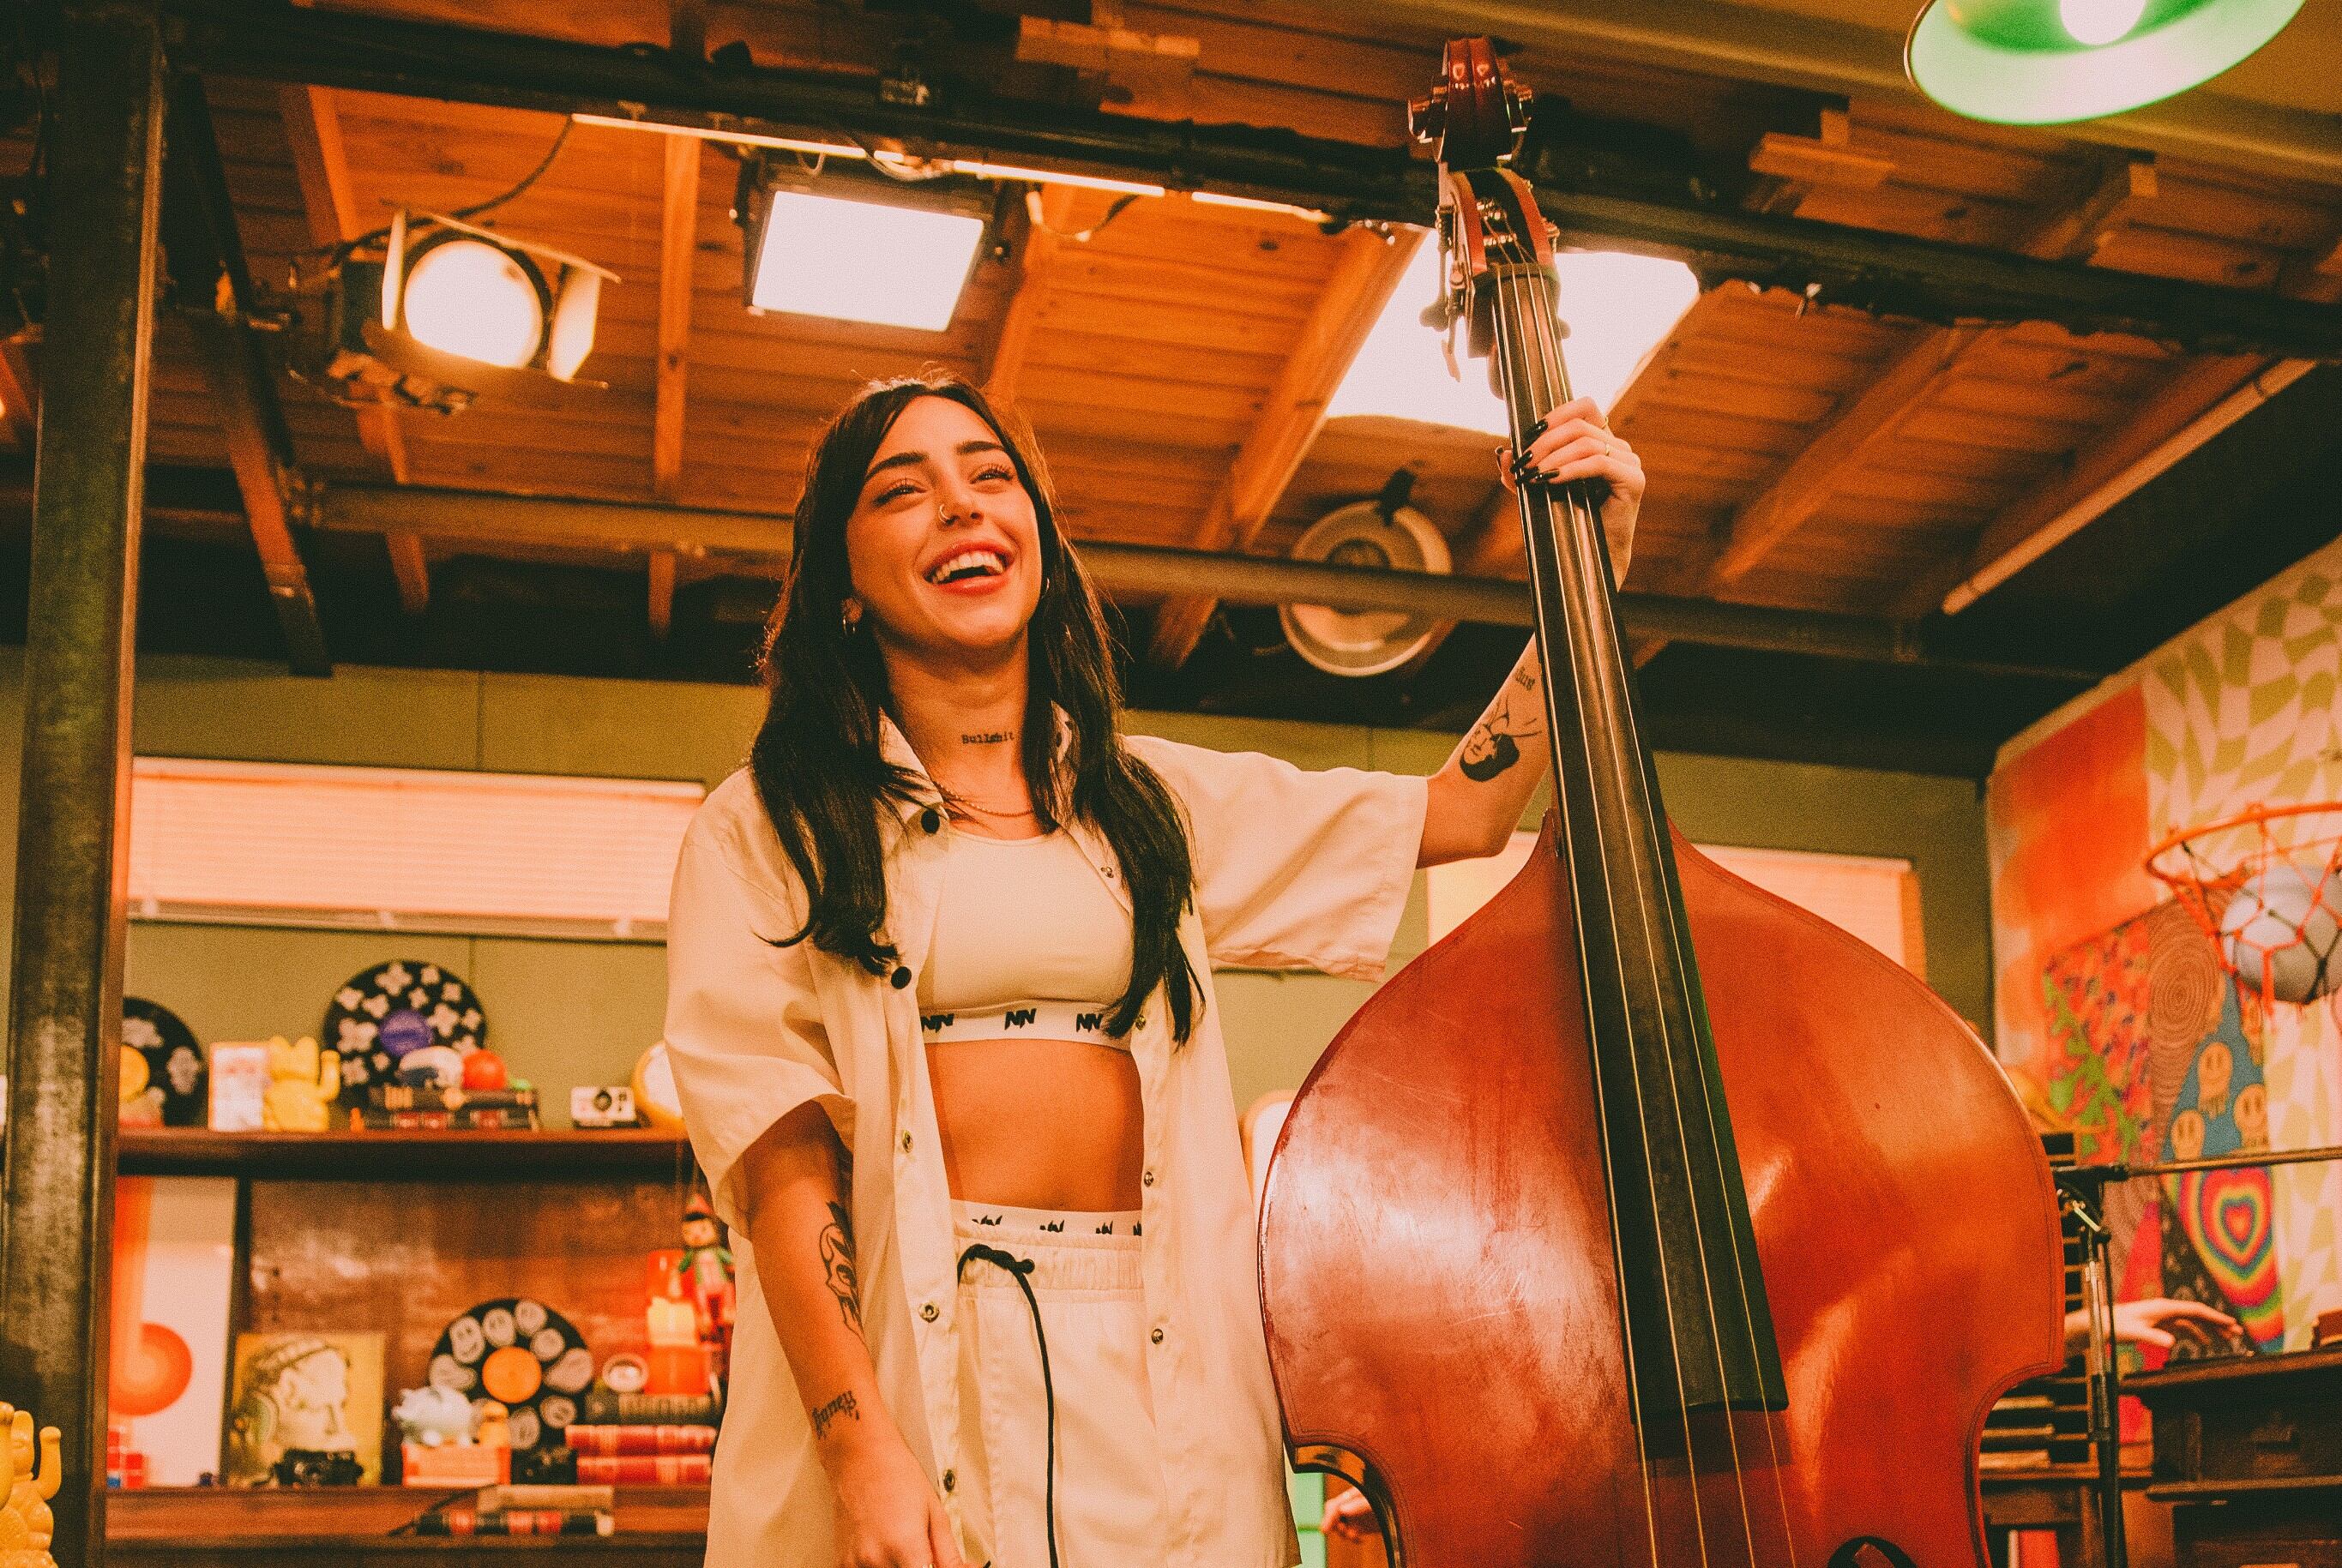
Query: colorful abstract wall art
<point x="2113" y="1004"/>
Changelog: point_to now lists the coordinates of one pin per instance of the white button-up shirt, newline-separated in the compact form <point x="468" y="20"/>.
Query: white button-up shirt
<point x="1294" y="869"/>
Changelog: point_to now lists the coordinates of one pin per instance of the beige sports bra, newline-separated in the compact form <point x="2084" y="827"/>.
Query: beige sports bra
<point x="1029" y="941"/>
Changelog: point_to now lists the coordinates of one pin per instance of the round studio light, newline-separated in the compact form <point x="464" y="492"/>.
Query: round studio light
<point x="465" y="296"/>
<point x="2047" y="62"/>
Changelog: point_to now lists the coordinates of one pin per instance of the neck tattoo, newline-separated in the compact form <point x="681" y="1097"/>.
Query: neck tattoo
<point x="986" y="737"/>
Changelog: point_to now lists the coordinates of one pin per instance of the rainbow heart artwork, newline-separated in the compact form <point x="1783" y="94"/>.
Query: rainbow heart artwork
<point x="2229" y="1216"/>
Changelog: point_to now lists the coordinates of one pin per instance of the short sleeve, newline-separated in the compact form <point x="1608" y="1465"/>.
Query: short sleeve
<point x="744" y="1030"/>
<point x="1295" y="869"/>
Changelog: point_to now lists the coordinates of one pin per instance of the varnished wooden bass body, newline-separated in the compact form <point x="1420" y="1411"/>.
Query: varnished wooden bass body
<point x="1647" y="1221"/>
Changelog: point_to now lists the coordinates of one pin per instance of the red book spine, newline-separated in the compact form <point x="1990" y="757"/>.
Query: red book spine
<point x="643" y="1470"/>
<point x="606" y="1441"/>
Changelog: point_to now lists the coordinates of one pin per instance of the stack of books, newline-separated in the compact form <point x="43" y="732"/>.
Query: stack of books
<point x="524" y="1511"/>
<point x="644" y="1439"/>
<point x="410" y="1107"/>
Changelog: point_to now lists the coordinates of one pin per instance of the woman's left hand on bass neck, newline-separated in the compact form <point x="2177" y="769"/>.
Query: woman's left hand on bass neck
<point x="1478" y="796"/>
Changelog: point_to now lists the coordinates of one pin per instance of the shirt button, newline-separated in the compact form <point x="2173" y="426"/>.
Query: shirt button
<point x="1157" y="1336"/>
<point x="932" y="820"/>
<point x="926" y="1311"/>
<point x="950" y="1481"/>
<point x="1145" y="1177"/>
<point x="906" y="1143"/>
<point x="900" y="978"/>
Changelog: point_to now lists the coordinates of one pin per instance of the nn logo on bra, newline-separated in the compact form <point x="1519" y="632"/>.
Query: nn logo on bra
<point x="1089" y="1020"/>
<point x="1018" y="1017"/>
<point x="934" y="1023"/>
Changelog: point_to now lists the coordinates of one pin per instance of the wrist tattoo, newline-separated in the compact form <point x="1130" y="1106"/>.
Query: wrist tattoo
<point x="986" y="737"/>
<point x="838" y="1264"/>
<point x="828" y="1415"/>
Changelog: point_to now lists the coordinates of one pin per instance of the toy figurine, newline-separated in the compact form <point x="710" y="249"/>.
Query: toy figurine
<point x="706" y="1272"/>
<point x="433" y="1415"/>
<point x="303" y="1083"/>
<point x="141" y="1099"/>
<point x="26" y="1524"/>
<point x="495" y="1426"/>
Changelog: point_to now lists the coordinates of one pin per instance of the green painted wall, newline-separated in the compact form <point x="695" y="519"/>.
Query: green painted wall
<point x="566" y="1013"/>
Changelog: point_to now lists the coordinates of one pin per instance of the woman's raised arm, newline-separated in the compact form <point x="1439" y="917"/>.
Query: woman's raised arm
<point x="1478" y="796"/>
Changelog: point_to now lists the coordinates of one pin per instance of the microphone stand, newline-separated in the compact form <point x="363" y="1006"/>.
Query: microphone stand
<point x="2081" y="1193"/>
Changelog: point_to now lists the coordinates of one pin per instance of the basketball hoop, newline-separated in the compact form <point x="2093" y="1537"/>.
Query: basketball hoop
<point x="2267" y="887"/>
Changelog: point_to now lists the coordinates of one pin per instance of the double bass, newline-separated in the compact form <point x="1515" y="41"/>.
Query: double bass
<point x="1646" y="1219"/>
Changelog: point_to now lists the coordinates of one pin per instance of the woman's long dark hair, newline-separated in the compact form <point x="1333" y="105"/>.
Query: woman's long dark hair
<point x="817" y="760"/>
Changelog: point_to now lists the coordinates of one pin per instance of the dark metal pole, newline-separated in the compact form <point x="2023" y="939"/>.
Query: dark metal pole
<point x="105" y="162"/>
<point x="2105" y="1361"/>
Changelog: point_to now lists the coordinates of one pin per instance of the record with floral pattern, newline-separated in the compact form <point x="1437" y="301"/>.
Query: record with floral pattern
<point x="176" y="1073"/>
<point x="524" y="1356"/>
<point x="394" y="1009"/>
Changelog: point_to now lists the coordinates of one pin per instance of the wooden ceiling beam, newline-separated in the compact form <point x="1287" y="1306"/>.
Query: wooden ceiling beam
<point x="1865" y="424"/>
<point x="19" y="410"/>
<point x="1912" y="378"/>
<point x="1051" y="212"/>
<point x="2202" y="399"/>
<point x="312" y="129"/>
<point x="1367" y="270"/>
<point x="1647" y="206"/>
<point x="212" y="287"/>
<point x="679" y="244"/>
<point x="411" y="567"/>
<point x="678" y="239"/>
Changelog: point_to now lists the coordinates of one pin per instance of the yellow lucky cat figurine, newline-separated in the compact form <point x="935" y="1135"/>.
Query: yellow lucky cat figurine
<point x="26" y="1524"/>
<point x="303" y="1083"/>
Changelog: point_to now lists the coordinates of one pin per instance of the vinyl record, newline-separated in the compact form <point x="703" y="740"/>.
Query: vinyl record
<point x="381" y="1015"/>
<point x="524" y="1355"/>
<point x="174" y="1061"/>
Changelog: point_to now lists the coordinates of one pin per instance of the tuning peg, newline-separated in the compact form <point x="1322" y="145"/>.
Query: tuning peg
<point x="1427" y="117"/>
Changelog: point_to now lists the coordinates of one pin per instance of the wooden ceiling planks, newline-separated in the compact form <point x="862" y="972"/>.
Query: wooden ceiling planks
<point x="1147" y="354"/>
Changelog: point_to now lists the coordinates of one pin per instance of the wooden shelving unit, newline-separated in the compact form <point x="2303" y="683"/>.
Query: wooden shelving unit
<point x="399" y="1231"/>
<point x="421" y="1156"/>
<point x="196" y="1527"/>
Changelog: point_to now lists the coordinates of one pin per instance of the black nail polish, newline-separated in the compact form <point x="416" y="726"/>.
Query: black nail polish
<point x="1537" y="428"/>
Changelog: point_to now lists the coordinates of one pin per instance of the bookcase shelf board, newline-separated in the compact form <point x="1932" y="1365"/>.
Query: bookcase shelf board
<point x="400" y="1156"/>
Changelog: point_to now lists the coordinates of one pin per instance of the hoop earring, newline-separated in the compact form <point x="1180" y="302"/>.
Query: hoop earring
<point x="849" y="619"/>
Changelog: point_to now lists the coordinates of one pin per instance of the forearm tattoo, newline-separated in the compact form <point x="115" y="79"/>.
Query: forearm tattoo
<point x="1495" y="743"/>
<point x="838" y="1264"/>
<point x="828" y="1415"/>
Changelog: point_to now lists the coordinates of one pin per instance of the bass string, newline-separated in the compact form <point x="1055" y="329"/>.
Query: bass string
<point x="1535" y="306"/>
<point x="1588" y="547"/>
<point x="1673" y="935"/>
<point x="1537" y="508"/>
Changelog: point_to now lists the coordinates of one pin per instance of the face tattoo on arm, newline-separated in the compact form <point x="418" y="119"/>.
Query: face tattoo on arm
<point x="837" y="1259"/>
<point x="1494" y="744"/>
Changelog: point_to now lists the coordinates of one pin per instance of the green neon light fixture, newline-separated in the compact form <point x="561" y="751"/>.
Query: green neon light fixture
<point x="2046" y="62"/>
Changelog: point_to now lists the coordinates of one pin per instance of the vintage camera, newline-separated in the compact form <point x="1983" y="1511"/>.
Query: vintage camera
<point x="611" y="1105"/>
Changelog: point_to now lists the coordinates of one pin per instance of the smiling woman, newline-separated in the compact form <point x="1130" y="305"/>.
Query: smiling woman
<point x="939" y="1009"/>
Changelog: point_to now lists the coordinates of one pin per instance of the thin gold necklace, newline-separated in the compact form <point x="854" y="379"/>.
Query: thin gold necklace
<point x="990" y="811"/>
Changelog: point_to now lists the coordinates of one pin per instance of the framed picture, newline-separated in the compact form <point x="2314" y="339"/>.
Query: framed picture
<point x="173" y="1269"/>
<point x="307" y="1410"/>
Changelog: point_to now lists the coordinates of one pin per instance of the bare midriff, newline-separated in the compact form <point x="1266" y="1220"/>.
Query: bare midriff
<point x="1038" y="1123"/>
